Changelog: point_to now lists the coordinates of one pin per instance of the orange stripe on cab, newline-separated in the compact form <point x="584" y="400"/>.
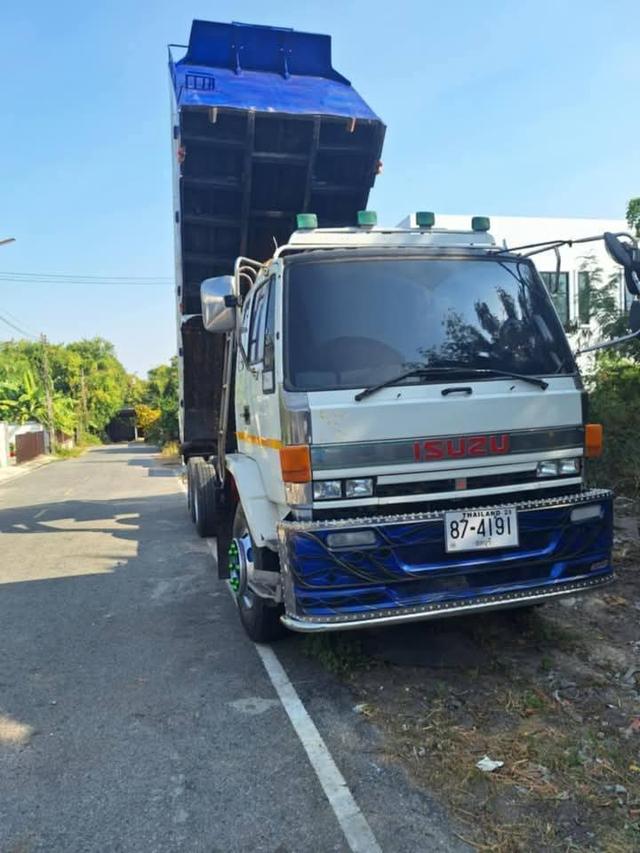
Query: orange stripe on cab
<point x="272" y="443"/>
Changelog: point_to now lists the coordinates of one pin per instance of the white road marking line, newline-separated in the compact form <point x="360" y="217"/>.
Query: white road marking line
<point x="40" y="514"/>
<point x="353" y="823"/>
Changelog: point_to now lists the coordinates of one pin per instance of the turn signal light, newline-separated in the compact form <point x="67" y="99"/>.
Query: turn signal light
<point x="295" y="462"/>
<point x="593" y="440"/>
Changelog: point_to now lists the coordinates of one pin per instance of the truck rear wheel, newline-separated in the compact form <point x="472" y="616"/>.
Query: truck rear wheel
<point x="260" y="617"/>
<point x="190" y="502"/>
<point x="203" y="497"/>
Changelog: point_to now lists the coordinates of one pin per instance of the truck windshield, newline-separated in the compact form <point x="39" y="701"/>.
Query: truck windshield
<point x="356" y="322"/>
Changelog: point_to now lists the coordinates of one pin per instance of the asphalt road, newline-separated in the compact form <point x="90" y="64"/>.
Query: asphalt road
<point x="134" y="713"/>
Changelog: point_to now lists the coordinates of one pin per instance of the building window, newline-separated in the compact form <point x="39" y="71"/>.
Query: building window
<point x="560" y="294"/>
<point x="584" y="297"/>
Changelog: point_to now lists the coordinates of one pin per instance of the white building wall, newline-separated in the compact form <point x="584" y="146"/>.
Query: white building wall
<point x="4" y="444"/>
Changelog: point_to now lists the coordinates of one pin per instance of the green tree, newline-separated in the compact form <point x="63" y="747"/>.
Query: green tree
<point x="102" y="381"/>
<point x="136" y="390"/>
<point x="600" y="301"/>
<point x="633" y="214"/>
<point x="22" y="401"/>
<point x="162" y="395"/>
<point x="88" y="384"/>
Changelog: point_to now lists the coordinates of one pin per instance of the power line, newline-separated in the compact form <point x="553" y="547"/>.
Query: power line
<point x="83" y="282"/>
<point x="17" y="328"/>
<point x="13" y="317"/>
<point x="152" y="278"/>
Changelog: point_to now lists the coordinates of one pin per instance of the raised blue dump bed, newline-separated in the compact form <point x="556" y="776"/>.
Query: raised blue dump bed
<point x="264" y="128"/>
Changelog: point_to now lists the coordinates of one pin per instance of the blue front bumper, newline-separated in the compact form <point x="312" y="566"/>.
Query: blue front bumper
<point x="408" y="575"/>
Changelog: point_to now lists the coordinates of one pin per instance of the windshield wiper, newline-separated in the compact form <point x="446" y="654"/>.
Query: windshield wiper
<point x="427" y="371"/>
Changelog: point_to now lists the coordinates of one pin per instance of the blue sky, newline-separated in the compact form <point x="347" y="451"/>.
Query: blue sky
<point x="526" y="108"/>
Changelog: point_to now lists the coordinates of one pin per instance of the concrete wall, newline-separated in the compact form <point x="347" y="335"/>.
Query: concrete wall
<point x="8" y="433"/>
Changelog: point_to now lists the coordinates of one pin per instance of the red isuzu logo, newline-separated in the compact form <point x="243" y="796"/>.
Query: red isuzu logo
<point x="460" y="447"/>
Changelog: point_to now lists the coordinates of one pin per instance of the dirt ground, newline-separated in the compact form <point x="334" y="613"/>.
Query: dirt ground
<point x="553" y="693"/>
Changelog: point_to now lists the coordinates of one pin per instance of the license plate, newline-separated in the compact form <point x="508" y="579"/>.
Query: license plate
<point x="481" y="529"/>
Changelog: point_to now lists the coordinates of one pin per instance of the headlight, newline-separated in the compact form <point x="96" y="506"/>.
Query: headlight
<point x="569" y="466"/>
<point x="548" y="468"/>
<point x="327" y="490"/>
<point x="360" y="488"/>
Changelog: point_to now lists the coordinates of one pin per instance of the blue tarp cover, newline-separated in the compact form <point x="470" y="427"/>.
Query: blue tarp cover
<point x="264" y="69"/>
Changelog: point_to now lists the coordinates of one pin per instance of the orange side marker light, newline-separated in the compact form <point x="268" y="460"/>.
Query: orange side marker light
<point x="295" y="462"/>
<point x="593" y="440"/>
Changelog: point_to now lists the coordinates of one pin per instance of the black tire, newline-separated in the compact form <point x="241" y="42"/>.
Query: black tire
<point x="203" y="492"/>
<point x="260" y="617"/>
<point x="190" y="502"/>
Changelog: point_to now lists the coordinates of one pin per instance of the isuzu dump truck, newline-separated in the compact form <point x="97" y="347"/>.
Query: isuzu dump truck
<point x="400" y="426"/>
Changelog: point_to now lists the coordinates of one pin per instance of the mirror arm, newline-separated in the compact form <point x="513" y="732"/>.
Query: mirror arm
<point x="613" y="343"/>
<point x="556" y="251"/>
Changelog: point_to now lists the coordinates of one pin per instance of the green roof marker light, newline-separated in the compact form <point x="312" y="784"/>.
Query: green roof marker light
<point x="306" y="221"/>
<point x="367" y="218"/>
<point x="425" y="219"/>
<point x="480" y="223"/>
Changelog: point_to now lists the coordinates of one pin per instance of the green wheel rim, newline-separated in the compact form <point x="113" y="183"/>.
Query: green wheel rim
<point x="234" y="567"/>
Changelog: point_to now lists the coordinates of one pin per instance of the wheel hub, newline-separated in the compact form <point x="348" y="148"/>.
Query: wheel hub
<point x="239" y="561"/>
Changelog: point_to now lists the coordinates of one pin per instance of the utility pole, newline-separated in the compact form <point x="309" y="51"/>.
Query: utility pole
<point x="83" y="406"/>
<point x="48" y="392"/>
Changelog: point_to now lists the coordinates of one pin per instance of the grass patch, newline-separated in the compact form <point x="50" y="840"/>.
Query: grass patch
<point x="90" y="440"/>
<point x="69" y="452"/>
<point x="539" y="697"/>
<point x="552" y="772"/>
<point x="341" y="654"/>
<point x="170" y="450"/>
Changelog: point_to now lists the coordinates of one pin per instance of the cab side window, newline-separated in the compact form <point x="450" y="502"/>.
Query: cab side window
<point x="261" y="328"/>
<point x="244" y="328"/>
<point x="268" y="347"/>
<point x="256" y="328"/>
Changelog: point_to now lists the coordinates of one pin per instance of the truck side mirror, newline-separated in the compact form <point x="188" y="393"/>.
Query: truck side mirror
<point x="634" y="317"/>
<point x="628" y="256"/>
<point x="218" y="304"/>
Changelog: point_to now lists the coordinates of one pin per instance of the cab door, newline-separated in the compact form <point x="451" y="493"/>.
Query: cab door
<point x="258" y="417"/>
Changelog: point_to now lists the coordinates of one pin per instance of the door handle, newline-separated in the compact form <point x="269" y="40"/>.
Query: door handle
<point x="246" y="414"/>
<point x="465" y="389"/>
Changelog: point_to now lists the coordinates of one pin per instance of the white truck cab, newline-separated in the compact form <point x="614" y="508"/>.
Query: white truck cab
<point x="403" y="432"/>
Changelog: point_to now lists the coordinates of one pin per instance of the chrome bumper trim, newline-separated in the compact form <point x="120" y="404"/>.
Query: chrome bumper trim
<point x="436" y="515"/>
<point x="434" y="611"/>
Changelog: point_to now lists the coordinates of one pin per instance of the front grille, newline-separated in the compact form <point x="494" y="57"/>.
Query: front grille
<point x="429" y="487"/>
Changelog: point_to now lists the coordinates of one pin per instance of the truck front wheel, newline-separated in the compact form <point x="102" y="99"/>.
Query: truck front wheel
<point x="260" y="617"/>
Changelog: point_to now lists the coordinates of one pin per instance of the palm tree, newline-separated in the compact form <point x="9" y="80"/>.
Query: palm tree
<point x="22" y="401"/>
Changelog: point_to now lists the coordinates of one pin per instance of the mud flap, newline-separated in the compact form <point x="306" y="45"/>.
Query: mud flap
<point x="226" y="513"/>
